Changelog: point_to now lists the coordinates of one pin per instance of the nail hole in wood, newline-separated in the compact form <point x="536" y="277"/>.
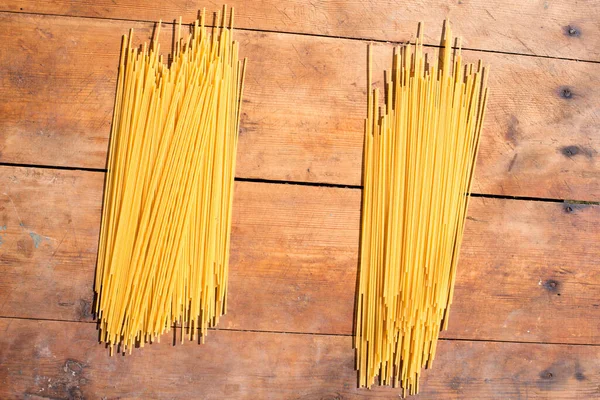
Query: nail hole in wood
<point x="569" y="151"/>
<point x="573" y="31"/>
<point x="546" y="375"/>
<point x="551" y="285"/>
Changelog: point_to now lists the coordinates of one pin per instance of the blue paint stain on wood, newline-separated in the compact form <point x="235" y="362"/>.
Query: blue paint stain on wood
<point x="2" y="228"/>
<point x="37" y="239"/>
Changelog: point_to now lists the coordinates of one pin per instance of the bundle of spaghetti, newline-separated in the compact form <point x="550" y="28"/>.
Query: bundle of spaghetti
<point x="420" y="150"/>
<point x="166" y="222"/>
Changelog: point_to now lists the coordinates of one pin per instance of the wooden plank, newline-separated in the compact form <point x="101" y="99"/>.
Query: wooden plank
<point x="59" y="360"/>
<point x="303" y="109"/>
<point x="548" y="28"/>
<point x="528" y="270"/>
<point x="48" y="248"/>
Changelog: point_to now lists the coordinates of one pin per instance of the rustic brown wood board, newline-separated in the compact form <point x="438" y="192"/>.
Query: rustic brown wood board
<point x="303" y="110"/>
<point x="525" y="321"/>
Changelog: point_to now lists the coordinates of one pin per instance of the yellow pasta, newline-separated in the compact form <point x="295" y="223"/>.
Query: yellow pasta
<point x="166" y="222"/>
<point x="420" y="150"/>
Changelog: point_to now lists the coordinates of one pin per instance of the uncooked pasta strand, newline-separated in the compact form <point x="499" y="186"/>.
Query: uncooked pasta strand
<point x="419" y="158"/>
<point x="166" y="222"/>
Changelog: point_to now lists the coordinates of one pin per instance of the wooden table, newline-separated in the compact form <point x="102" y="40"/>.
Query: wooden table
<point x="526" y="317"/>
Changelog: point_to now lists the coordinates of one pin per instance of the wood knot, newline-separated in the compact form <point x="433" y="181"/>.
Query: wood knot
<point x="572" y="31"/>
<point x="570" y="151"/>
<point x="551" y="285"/>
<point x="572" y="206"/>
<point x="566" y="93"/>
<point x="73" y="367"/>
<point x="574" y="150"/>
<point x="455" y="383"/>
<point x="546" y="375"/>
<point x="84" y="310"/>
<point x="75" y="394"/>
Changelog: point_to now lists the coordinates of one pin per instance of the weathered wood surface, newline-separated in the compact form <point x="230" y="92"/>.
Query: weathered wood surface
<point x="63" y="360"/>
<point x="528" y="270"/>
<point x="303" y="108"/>
<point x="558" y="28"/>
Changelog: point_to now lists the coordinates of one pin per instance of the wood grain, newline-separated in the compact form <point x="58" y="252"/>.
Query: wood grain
<point x="527" y="272"/>
<point x="549" y="28"/>
<point x="48" y="248"/>
<point x="303" y="108"/>
<point x="62" y="360"/>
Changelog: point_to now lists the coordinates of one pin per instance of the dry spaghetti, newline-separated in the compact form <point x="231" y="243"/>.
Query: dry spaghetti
<point x="419" y="158"/>
<point x="164" y="243"/>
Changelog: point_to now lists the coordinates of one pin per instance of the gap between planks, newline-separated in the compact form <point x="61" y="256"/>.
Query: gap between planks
<point x="313" y="184"/>
<point x="360" y="39"/>
<point x="446" y="339"/>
